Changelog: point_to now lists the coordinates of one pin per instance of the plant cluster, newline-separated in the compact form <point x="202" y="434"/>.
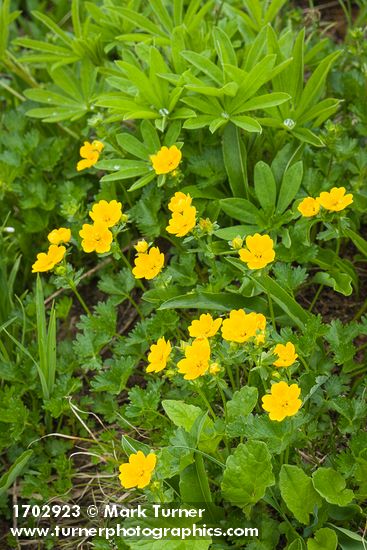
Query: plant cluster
<point x="183" y="265"/>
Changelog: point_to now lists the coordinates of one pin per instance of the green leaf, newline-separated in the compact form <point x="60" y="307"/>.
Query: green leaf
<point x="246" y="123"/>
<point x="315" y="83"/>
<point x="265" y="186"/>
<point x="290" y="185"/>
<point x="298" y="492"/>
<point x="241" y="210"/>
<point x="133" y="146"/>
<point x="357" y="240"/>
<point x="324" y="538"/>
<point x="238" y="408"/>
<point x="7" y="479"/>
<point x="289" y="305"/>
<point x="305" y="135"/>
<point x="182" y="414"/>
<point x="223" y="47"/>
<point x="205" y="65"/>
<point x="214" y="301"/>
<point x="330" y="484"/>
<point x="263" y="102"/>
<point x="340" y="282"/>
<point x="297" y="544"/>
<point x="162" y="14"/>
<point x="229" y="233"/>
<point x="235" y="161"/>
<point x="247" y="475"/>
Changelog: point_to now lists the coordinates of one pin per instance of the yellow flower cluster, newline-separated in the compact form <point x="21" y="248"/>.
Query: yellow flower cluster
<point x="97" y="237"/>
<point x="138" y="471"/>
<point x="90" y="154"/>
<point x="183" y="218"/>
<point x="166" y="160"/>
<point x="333" y="201"/>
<point x="55" y="253"/>
<point x="259" y="251"/>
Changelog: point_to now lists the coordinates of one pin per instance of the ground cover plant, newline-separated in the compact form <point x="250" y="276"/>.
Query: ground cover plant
<point x="183" y="267"/>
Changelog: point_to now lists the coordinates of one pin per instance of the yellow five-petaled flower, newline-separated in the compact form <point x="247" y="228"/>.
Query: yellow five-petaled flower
<point x="259" y="251"/>
<point x="205" y="327"/>
<point x="335" y="200"/>
<point x="309" y="207"/>
<point x="166" y="160"/>
<point x="96" y="238"/>
<point x="159" y="354"/>
<point x="286" y="355"/>
<point x="196" y="362"/>
<point x="47" y="260"/>
<point x="241" y="327"/>
<point x="283" y="401"/>
<point x="148" y="264"/>
<point x="58" y="236"/>
<point x="105" y="212"/>
<point x="181" y="223"/>
<point x="90" y="154"/>
<point x="138" y="471"/>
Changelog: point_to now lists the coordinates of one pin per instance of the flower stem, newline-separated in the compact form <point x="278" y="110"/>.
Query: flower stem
<point x="316" y="297"/>
<point x="205" y="400"/>
<point x="80" y="299"/>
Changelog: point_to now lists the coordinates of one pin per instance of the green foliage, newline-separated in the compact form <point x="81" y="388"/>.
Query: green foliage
<point x="267" y="109"/>
<point x="247" y="475"/>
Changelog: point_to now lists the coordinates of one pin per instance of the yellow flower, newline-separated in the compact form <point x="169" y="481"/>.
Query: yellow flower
<point x="196" y="361"/>
<point x="309" y="207"/>
<point x="214" y="368"/>
<point x="58" y="236"/>
<point x="47" y="260"/>
<point x="107" y="212"/>
<point x="179" y="202"/>
<point x="181" y="223"/>
<point x="237" y="243"/>
<point x="158" y="355"/>
<point x="335" y="200"/>
<point x="148" y="264"/>
<point x="138" y="471"/>
<point x="283" y="401"/>
<point x="205" y="327"/>
<point x="259" y="252"/>
<point x="141" y="246"/>
<point x="241" y="326"/>
<point x="166" y="160"/>
<point x="286" y="355"/>
<point x="90" y="154"/>
<point x="96" y="237"/>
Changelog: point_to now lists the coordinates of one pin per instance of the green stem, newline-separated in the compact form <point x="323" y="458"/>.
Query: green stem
<point x="303" y="361"/>
<point x="360" y="312"/>
<point x="316" y="297"/>
<point x="80" y="299"/>
<point x="230" y="376"/>
<point x="205" y="400"/>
